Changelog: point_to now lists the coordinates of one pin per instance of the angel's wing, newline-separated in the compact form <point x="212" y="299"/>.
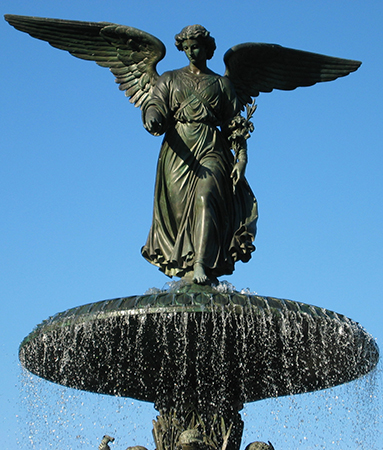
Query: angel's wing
<point x="131" y="55"/>
<point x="255" y="68"/>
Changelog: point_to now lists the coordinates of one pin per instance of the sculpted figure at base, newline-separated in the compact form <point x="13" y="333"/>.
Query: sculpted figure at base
<point x="104" y="442"/>
<point x="191" y="439"/>
<point x="258" y="445"/>
<point x="205" y="214"/>
<point x="136" y="447"/>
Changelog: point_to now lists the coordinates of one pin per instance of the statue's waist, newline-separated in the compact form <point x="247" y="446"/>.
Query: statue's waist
<point x="202" y="121"/>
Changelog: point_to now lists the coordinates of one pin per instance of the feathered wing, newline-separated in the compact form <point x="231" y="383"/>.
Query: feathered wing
<point x="131" y="55"/>
<point x="257" y="67"/>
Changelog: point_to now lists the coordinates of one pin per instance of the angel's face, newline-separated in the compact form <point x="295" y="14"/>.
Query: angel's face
<point x="195" y="52"/>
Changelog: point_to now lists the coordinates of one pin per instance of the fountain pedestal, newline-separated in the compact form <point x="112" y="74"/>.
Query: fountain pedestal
<point x="199" y="354"/>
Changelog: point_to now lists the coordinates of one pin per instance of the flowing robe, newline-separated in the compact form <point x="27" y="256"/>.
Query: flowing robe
<point x="198" y="216"/>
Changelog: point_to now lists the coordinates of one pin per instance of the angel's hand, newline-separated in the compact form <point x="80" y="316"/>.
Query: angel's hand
<point x="153" y="121"/>
<point x="238" y="172"/>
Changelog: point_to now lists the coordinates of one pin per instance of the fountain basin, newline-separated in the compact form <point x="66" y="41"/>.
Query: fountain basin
<point x="176" y="345"/>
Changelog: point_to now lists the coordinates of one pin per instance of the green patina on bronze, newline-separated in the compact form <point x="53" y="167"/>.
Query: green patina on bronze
<point x="198" y="355"/>
<point x="205" y="214"/>
<point x="196" y="352"/>
<point x="315" y="333"/>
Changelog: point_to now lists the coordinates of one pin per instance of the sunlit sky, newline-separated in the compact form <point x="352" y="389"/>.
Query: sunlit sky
<point x="77" y="180"/>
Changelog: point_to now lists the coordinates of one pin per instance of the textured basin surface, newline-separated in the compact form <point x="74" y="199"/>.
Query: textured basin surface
<point x="199" y="344"/>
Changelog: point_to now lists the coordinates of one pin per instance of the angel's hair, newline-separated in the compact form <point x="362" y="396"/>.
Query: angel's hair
<point x="200" y="34"/>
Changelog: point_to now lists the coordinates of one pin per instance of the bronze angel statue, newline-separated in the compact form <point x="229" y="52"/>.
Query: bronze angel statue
<point x="205" y="214"/>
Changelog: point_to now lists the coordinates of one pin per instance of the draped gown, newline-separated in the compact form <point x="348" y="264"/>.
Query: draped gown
<point x="197" y="215"/>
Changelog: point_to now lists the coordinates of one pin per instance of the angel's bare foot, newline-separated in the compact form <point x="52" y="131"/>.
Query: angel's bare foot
<point x="199" y="275"/>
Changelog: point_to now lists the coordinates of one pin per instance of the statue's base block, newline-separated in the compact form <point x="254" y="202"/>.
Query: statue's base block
<point x="198" y="350"/>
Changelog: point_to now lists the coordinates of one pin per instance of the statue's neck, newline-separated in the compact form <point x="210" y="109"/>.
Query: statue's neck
<point x="197" y="70"/>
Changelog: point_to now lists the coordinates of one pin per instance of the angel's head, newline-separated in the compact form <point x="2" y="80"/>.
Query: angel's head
<point x="198" y="33"/>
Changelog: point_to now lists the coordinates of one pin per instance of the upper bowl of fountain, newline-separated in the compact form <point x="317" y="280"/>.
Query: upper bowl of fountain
<point x="199" y="342"/>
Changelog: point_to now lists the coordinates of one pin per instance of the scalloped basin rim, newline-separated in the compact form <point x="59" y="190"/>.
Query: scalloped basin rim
<point x="179" y="302"/>
<point x="143" y="346"/>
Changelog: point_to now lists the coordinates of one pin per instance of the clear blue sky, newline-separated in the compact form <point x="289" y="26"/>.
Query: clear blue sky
<point x="77" y="178"/>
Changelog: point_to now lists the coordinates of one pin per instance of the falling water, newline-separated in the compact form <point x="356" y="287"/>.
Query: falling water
<point x="216" y="350"/>
<point x="61" y="418"/>
<point x="344" y="417"/>
<point x="66" y="419"/>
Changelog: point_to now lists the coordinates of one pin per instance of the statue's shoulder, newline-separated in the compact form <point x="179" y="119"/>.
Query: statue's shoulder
<point x="184" y="73"/>
<point x="168" y="76"/>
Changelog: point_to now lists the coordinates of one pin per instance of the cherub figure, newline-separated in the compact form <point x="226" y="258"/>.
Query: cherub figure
<point x="205" y="214"/>
<point x="258" y="445"/>
<point x="104" y="442"/>
<point x="191" y="439"/>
